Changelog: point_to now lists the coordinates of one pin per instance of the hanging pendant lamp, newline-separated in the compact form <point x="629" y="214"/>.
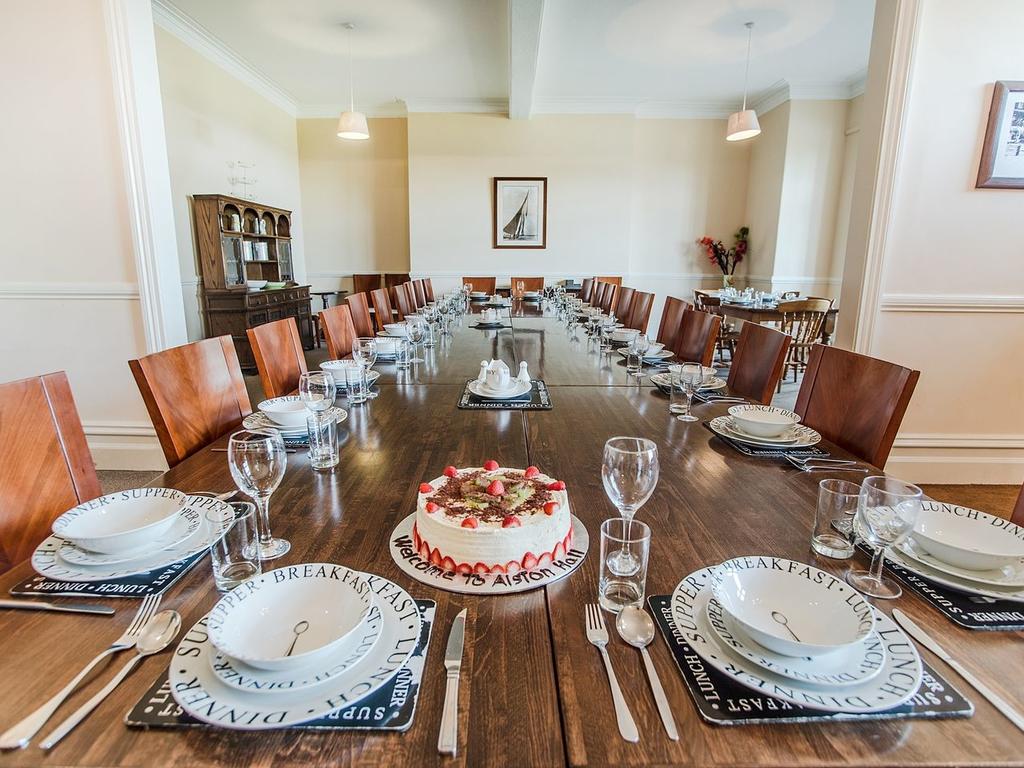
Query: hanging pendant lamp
<point x="743" y="124"/>
<point x="352" y="124"/>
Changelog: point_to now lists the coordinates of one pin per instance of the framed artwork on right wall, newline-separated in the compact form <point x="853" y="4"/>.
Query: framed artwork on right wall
<point x="1002" y="155"/>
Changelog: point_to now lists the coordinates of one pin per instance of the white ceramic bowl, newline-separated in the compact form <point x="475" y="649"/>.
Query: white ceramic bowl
<point x="257" y="622"/>
<point x="287" y="411"/>
<point x="386" y="347"/>
<point x="624" y="334"/>
<point x="763" y="420"/>
<point x="675" y="370"/>
<point x="396" y="329"/>
<point x="967" y="538"/>
<point x="256" y="285"/>
<point x="337" y="368"/>
<point x="121" y="522"/>
<point x="821" y="610"/>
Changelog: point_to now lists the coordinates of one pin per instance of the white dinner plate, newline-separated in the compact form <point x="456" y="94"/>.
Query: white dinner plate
<point x="186" y="524"/>
<point x="664" y="380"/>
<point x="846" y="667"/>
<point x="520" y="389"/>
<point x="1013" y="594"/>
<point x="806" y="437"/>
<point x="1010" y="577"/>
<point x="257" y="420"/>
<point x="664" y="354"/>
<point x="48" y="563"/>
<point x="786" y="438"/>
<point x="897" y="682"/>
<point x="201" y="694"/>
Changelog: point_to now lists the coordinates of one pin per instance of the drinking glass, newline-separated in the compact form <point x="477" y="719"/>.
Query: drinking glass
<point x="233" y="556"/>
<point x="365" y="351"/>
<point x="323" y="440"/>
<point x="686" y="380"/>
<point x="629" y="472"/>
<point x="416" y="330"/>
<point x="520" y="287"/>
<point x="317" y="390"/>
<point x="355" y="384"/>
<point x="402" y="354"/>
<point x="616" y="590"/>
<point x="257" y="460"/>
<point x="430" y="316"/>
<point x="887" y="509"/>
<point x="606" y="338"/>
<point x="833" y="519"/>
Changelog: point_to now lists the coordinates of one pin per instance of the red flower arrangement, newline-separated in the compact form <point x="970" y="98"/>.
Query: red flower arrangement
<point x="726" y="259"/>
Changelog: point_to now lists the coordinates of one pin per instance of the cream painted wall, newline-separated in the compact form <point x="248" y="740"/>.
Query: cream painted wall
<point x="854" y="115"/>
<point x="355" y="201"/>
<point x="764" y="192"/>
<point x="212" y="118"/>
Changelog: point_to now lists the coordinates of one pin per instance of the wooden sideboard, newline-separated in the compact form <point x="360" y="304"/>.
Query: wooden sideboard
<point x="231" y="312"/>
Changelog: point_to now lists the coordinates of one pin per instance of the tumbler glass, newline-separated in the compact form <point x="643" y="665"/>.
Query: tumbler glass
<point x="235" y="555"/>
<point x="323" y="441"/>
<point x="833" y="520"/>
<point x="616" y="590"/>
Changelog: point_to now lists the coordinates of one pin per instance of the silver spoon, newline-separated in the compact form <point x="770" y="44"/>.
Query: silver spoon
<point x="637" y="629"/>
<point x="780" y="618"/>
<point x="158" y="633"/>
<point x="298" y="629"/>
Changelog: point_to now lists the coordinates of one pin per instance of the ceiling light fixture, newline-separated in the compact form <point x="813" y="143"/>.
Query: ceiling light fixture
<point x="352" y="124"/>
<point x="743" y="124"/>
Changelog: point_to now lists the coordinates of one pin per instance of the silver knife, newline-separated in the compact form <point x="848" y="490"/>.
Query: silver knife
<point x="925" y="639"/>
<point x="39" y="605"/>
<point x="448" y="738"/>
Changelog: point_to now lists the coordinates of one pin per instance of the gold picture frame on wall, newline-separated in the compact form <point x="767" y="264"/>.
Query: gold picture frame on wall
<point x="1002" y="154"/>
<point x="520" y="211"/>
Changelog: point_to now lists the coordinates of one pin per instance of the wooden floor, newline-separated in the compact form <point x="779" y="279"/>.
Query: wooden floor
<point x="994" y="499"/>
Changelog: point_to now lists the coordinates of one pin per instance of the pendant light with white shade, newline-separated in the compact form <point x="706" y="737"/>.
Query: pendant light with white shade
<point x="743" y="124"/>
<point x="352" y="124"/>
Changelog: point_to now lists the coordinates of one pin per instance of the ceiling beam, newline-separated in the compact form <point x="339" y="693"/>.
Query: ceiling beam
<point x="524" y="22"/>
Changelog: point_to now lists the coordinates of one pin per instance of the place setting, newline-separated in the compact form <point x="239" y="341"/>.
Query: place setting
<point x="288" y="415"/>
<point x="495" y="388"/>
<point x="489" y="320"/>
<point x="772" y="432"/>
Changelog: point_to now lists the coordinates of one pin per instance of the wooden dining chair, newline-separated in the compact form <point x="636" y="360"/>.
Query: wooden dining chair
<point x="365" y="283"/>
<point x="598" y="294"/>
<point x="612" y="280"/>
<point x="802" y="319"/>
<point x="855" y="401"/>
<point x="404" y="300"/>
<point x="587" y="289"/>
<point x="529" y="284"/>
<point x="610" y="297"/>
<point x="421" y="294"/>
<point x="728" y="335"/>
<point x="428" y="288"/>
<point x="339" y="331"/>
<point x="757" y="364"/>
<point x="359" y="308"/>
<point x="640" y="313"/>
<point x="399" y="314"/>
<point x="194" y="393"/>
<point x="391" y="279"/>
<point x="381" y="307"/>
<point x="1018" y="510"/>
<point x="485" y="284"/>
<point x="45" y="464"/>
<point x="698" y="336"/>
<point x="671" y="319"/>
<point x="623" y="307"/>
<point x="280" y="361"/>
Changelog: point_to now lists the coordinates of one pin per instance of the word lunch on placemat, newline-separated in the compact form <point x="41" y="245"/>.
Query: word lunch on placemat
<point x="723" y="701"/>
<point x="537" y="399"/>
<point x="140" y="585"/>
<point x="389" y="709"/>
<point x="750" y="450"/>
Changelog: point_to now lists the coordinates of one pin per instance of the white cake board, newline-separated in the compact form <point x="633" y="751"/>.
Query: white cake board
<point x="408" y="559"/>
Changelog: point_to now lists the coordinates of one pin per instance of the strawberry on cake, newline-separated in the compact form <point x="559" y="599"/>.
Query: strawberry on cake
<point x="492" y="520"/>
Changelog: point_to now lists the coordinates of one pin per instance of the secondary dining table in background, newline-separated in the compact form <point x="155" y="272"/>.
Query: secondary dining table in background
<point x="751" y="314"/>
<point x="533" y="692"/>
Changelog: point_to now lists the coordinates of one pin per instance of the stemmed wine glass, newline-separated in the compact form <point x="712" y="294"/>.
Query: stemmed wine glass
<point x="687" y="377"/>
<point x="415" y="331"/>
<point x="629" y="471"/>
<point x="317" y="390"/>
<point x="430" y="316"/>
<point x="257" y="460"/>
<point x="365" y="351"/>
<point x="520" y="287"/>
<point x="886" y="512"/>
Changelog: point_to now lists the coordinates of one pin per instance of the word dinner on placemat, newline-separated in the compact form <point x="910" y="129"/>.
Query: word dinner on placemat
<point x="152" y="582"/>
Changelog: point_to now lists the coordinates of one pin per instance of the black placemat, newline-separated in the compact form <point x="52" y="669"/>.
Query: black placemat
<point x="750" y="450"/>
<point x="389" y="709"/>
<point x="501" y="327"/>
<point x="141" y="585"/>
<point x="723" y="701"/>
<point x="537" y="399"/>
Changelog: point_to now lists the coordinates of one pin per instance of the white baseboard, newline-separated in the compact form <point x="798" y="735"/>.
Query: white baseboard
<point x="124" y="445"/>
<point x="957" y="459"/>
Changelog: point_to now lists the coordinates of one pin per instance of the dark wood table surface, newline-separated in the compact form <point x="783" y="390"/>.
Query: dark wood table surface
<point x="534" y="692"/>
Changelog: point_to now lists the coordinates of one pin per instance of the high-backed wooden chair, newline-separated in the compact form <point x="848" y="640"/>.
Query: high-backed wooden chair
<point x="391" y="279"/>
<point x="640" y="314"/>
<point x="671" y="319"/>
<point x="727" y="334"/>
<point x="529" y="284"/>
<point x="339" y="331"/>
<point x="855" y="401"/>
<point x="404" y="300"/>
<point x="587" y="289"/>
<point x="381" y="307"/>
<point x="421" y="294"/>
<point x="45" y="464"/>
<point x="428" y="288"/>
<point x="1018" y="510"/>
<point x="757" y="364"/>
<point x="365" y="283"/>
<point x="802" y="319"/>
<point x="277" y="348"/>
<point x="610" y="297"/>
<point x="623" y="306"/>
<point x="361" y="317"/>
<point x="698" y="335"/>
<point x="393" y="292"/>
<point x="612" y="280"/>
<point x="194" y="394"/>
<point x="598" y="294"/>
<point x="485" y="284"/>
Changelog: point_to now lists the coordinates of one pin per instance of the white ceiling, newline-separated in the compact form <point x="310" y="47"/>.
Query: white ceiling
<point x="653" y="56"/>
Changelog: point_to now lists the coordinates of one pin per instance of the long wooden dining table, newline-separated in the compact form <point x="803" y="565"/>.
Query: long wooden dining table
<point x="533" y="692"/>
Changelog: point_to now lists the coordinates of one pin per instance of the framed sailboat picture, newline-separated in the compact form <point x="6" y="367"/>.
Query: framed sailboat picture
<point x="520" y="212"/>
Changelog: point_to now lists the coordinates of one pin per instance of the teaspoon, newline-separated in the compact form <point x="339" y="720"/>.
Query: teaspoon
<point x="636" y="627"/>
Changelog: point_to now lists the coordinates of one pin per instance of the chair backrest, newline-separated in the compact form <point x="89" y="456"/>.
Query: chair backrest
<point x="391" y="279"/>
<point x="361" y="317"/>
<point x="624" y="304"/>
<point x="609" y="297"/>
<point x="404" y="300"/>
<point x="758" y="361"/>
<point x="280" y="361"/>
<point x="393" y="292"/>
<point x="671" y="319"/>
<point x="587" y="289"/>
<point x="365" y="283"/>
<point x="640" y="314"/>
<point x="381" y="307"/>
<point x="612" y="280"/>
<point x="855" y="401"/>
<point x="428" y="288"/>
<point x="698" y="334"/>
<point x="421" y="294"/>
<point x="704" y="302"/>
<point x="339" y="331"/>
<point x="194" y="393"/>
<point x="598" y="295"/>
<point x="802" y="319"/>
<point x="485" y="284"/>
<point x="45" y="464"/>
<point x="529" y="284"/>
<point x="1018" y="511"/>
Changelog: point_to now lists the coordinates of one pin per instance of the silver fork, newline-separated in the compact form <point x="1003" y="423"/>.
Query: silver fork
<point x="20" y="734"/>
<point x="597" y="634"/>
<point x="831" y="467"/>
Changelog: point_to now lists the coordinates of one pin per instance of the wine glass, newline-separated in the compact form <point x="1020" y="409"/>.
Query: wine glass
<point x="629" y="472"/>
<point x="415" y="331"/>
<point x="886" y="512"/>
<point x="257" y="460"/>
<point x="365" y="351"/>
<point x="687" y="377"/>
<point x="317" y="390"/>
<point x="520" y="287"/>
<point x="430" y="318"/>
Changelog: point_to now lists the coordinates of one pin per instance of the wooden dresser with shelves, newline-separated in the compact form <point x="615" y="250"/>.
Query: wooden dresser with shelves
<point x="240" y="241"/>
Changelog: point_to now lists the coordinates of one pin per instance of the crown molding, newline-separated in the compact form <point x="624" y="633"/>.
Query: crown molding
<point x="394" y="108"/>
<point x="199" y="39"/>
<point x="856" y="85"/>
<point x="482" y="106"/>
<point x="771" y="97"/>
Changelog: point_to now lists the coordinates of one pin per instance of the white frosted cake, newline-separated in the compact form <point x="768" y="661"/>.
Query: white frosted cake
<point x="492" y="520"/>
